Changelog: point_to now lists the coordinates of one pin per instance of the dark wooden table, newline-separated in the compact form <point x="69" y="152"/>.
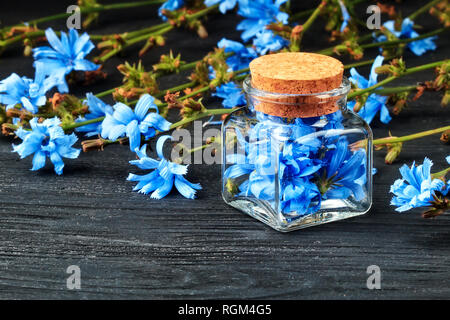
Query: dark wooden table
<point x="129" y="246"/>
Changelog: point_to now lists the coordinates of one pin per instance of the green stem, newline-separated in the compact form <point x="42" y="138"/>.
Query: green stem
<point x="83" y="123"/>
<point x="389" y="91"/>
<point x="308" y="23"/>
<point x="399" y="41"/>
<point x="330" y="51"/>
<point x="392" y="78"/>
<point x="105" y="93"/>
<point x="184" y="67"/>
<point x="208" y="113"/>
<point x="134" y="41"/>
<point x="145" y="36"/>
<point x="369" y="36"/>
<point x="362" y="63"/>
<point x="440" y="174"/>
<point x="423" y="9"/>
<point x="98" y="37"/>
<point x="409" y="137"/>
<point x="132" y="34"/>
<point x="297" y="16"/>
<point x="313" y="16"/>
<point x="175" y="89"/>
<point x="238" y="77"/>
<point x="198" y="116"/>
<point x="98" y="8"/>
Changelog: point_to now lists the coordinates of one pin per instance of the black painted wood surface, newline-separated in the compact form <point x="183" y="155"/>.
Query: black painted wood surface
<point x="129" y="246"/>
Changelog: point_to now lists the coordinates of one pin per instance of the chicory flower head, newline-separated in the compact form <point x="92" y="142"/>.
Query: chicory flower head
<point x="418" y="47"/>
<point x="416" y="188"/>
<point x="97" y="109"/>
<point x="165" y="174"/>
<point x="267" y="41"/>
<point x="169" y="5"/>
<point x="258" y="14"/>
<point x="224" y="6"/>
<point x="345" y="172"/>
<point x="374" y="103"/>
<point x="299" y="195"/>
<point x="242" y="55"/>
<point x="64" y="56"/>
<point x="27" y="92"/>
<point x="232" y="95"/>
<point x="126" y="122"/>
<point x="46" y="139"/>
<point x="297" y="163"/>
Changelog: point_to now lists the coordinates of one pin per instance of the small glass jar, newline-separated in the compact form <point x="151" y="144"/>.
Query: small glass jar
<point x="292" y="173"/>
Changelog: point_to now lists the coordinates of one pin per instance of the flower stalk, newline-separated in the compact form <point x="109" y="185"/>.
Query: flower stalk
<point x="410" y="137"/>
<point x="339" y="47"/>
<point x="297" y="39"/>
<point x="93" y="9"/>
<point x="392" y="78"/>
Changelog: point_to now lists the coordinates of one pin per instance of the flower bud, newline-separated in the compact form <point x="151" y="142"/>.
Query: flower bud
<point x="2" y="116"/>
<point x="8" y="129"/>
<point x="394" y="150"/>
<point x="446" y="98"/>
<point x="210" y="140"/>
<point x="201" y="31"/>
<point x="231" y="187"/>
<point x="445" y="137"/>
<point x="91" y="145"/>
<point x="361" y="144"/>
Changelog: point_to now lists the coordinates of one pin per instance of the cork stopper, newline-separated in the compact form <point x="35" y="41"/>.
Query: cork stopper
<point x="296" y="73"/>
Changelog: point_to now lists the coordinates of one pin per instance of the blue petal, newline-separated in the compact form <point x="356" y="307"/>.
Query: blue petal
<point x="163" y="190"/>
<point x="133" y="134"/>
<point x="186" y="188"/>
<point x="38" y="160"/>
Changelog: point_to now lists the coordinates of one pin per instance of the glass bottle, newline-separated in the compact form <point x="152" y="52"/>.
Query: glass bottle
<point x="292" y="173"/>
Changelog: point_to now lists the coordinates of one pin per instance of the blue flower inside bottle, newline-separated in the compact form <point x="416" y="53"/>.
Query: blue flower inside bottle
<point x="295" y="156"/>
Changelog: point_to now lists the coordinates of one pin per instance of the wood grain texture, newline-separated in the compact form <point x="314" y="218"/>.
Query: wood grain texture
<point x="131" y="247"/>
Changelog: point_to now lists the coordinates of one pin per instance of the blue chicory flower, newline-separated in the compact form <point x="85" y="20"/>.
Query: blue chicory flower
<point x="46" y="139"/>
<point x="258" y="14"/>
<point x="97" y="109"/>
<point x="232" y="95"/>
<point x="296" y="163"/>
<point x="299" y="195"/>
<point x="165" y="174"/>
<point x="345" y="16"/>
<point x="169" y="5"/>
<point x="374" y="103"/>
<point x="64" y="56"/>
<point x="418" y="47"/>
<point x="224" y="6"/>
<point x="266" y="41"/>
<point x="126" y="122"/>
<point x="27" y="92"/>
<point x="346" y="170"/>
<point x="416" y="188"/>
<point x="242" y="55"/>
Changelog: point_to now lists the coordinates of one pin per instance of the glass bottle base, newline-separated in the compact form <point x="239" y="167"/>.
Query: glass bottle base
<point x="331" y="210"/>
